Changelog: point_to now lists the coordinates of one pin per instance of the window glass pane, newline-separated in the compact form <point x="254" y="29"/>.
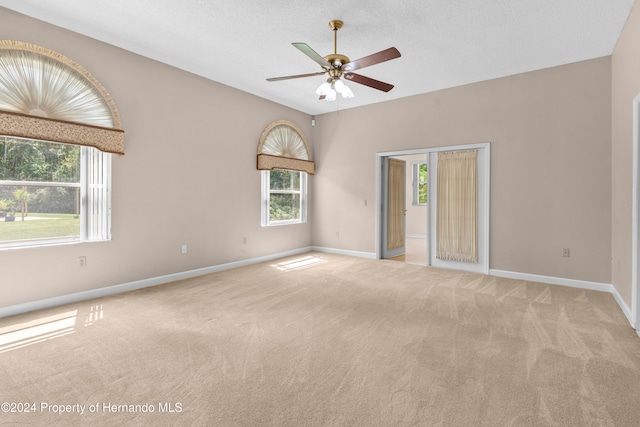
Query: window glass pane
<point x="27" y="160"/>
<point x="40" y="191"/>
<point x="28" y="213"/>
<point x="283" y="197"/>
<point x="422" y="183"/>
<point x="284" y="207"/>
<point x="284" y="180"/>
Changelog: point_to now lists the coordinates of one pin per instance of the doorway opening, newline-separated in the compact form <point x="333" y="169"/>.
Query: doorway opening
<point x="418" y="220"/>
<point x="415" y="208"/>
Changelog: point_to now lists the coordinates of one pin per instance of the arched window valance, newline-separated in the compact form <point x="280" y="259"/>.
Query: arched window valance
<point x="283" y="146"/>
<point x="46" y="96"/>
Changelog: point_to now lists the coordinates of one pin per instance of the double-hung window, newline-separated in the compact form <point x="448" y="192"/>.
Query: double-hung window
<point x="52" y="193"/>
<point x="284" y="197"/>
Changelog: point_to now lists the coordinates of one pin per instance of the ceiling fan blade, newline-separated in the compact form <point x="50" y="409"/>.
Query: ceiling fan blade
<point x="304" y="48"/>
<point x="368" y="81"/>
<point x="275" y="79"/>
<point x="376" y="58"/>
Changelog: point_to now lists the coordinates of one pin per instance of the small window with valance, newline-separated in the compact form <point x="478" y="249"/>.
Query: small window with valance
<point x="285" y="161"/>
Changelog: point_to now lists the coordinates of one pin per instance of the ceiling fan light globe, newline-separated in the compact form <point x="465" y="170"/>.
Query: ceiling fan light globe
<point x="323" y="89"/>
<point x="331" y="95"/>
<point x="344" y="90"/>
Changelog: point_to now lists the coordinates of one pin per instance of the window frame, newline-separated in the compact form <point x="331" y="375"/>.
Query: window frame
<point x="95" y="199"/>
<point x="266" y="199"/>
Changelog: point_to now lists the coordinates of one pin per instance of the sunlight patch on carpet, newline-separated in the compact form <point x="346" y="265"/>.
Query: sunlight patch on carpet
<point x="299" y="263"/>
<point x="38" y="330"/>
<point x="95" y="313"/>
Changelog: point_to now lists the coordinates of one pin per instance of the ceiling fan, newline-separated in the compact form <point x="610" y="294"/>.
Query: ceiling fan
<point x="336" y="66"/>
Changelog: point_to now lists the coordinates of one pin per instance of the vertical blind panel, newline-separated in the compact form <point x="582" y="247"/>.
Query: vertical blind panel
<point x="395" y="222"/>
<point x="457" y="206"/>
<point x="96" y="201"/>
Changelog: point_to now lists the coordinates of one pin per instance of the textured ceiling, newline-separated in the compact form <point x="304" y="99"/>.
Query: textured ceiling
<point x="444" y="43"/>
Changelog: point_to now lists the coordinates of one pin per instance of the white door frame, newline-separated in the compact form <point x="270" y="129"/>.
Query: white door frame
<point x="485" y="146"/>
<point x="635" y="214"/>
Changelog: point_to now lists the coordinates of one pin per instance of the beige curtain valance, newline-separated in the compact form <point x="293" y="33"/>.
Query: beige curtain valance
<point x="46" y="96"/>
<point x="283" y="146"/>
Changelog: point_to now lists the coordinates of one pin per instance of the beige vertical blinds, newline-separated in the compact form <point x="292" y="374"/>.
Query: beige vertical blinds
<point x="45" y="95"/>
<point x="457" y="206"/>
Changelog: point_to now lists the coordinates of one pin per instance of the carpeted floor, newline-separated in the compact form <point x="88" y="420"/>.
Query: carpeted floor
<point x="326" y="340"/>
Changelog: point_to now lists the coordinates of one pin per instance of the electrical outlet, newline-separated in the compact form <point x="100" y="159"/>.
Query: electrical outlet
<point x="337" y="234"/>
<point x="566" y="252"/>
<point x="244" y="240"/>
<point x="82" y="261"/>
<point x="184" y="249"/>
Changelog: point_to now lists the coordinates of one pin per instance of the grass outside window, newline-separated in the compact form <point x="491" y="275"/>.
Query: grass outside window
<point x="40" y="226"/>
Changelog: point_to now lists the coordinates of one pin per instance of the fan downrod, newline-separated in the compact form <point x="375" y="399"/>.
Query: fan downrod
<point x="336" y="60"/>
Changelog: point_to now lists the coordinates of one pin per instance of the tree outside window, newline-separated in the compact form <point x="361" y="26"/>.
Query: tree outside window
<point x="41" y="192"/>
<point x="420" y="184"/>
<point x="284" y="197"/>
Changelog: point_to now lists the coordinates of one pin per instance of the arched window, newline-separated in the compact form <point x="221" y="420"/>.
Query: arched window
<point x="283" y="146"/>
<point x="285" y="161"/>
<point x="58" y="126"/>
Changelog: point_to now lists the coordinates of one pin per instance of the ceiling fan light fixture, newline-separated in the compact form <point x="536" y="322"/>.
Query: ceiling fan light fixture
<point x="336" y="65"/>
<point x="328" y="90"/>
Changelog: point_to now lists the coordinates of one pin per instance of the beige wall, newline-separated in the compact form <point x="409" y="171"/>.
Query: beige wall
<point x="550" y="134"/>
<point x="625" y="86"/>
<point x="188" y="176"/>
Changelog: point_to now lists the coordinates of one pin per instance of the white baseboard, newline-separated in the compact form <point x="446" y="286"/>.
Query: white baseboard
<point x="624" y="307"/>
<point x="369" y="255"/>
<point x="138" y="284"/>
<point x="594" y="286"/>
<point x="582" y="284"/>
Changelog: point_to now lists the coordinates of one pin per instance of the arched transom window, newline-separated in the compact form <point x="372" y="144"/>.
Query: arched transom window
<point x="45" y="95"/>
<point x="283" y="146"/>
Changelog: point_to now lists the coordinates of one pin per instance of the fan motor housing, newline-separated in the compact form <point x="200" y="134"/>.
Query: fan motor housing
<point x="337" y="60"/>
